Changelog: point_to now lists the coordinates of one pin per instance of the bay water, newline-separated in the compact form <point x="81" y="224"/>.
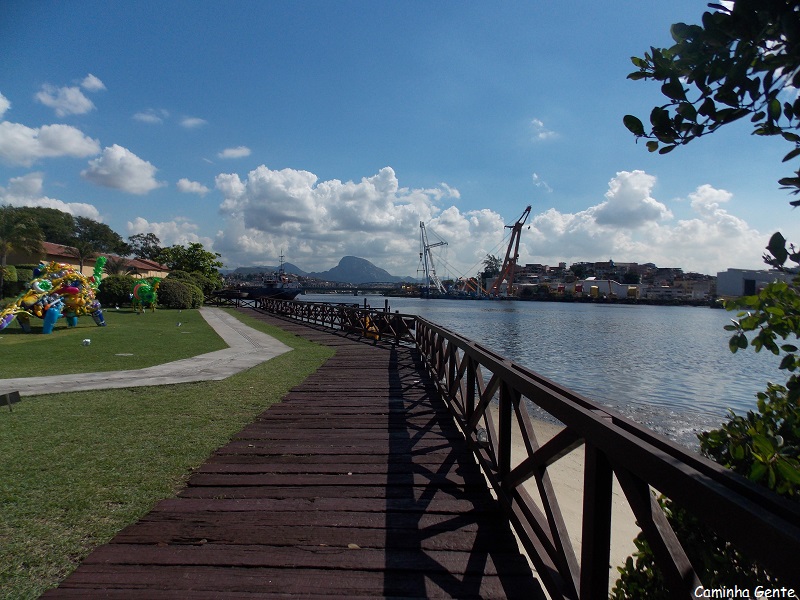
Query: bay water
<point x="666" y="367"/>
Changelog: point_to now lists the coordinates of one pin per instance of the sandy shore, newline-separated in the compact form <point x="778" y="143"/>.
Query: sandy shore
<point x="567" y="478"/>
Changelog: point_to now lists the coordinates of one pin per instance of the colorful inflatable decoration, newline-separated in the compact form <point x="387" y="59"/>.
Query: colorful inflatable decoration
<point x="145" y="295"/>
<point x="57" y="290"/>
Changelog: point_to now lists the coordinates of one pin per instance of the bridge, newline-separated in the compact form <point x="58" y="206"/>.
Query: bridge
<point x="369" y="479"/>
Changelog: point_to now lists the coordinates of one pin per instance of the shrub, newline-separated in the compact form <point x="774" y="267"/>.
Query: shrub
<point x="173" y="293"/>
<point x="115" y="290"/>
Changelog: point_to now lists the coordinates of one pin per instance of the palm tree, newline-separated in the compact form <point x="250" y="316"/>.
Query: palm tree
<point x="17" y="232"/>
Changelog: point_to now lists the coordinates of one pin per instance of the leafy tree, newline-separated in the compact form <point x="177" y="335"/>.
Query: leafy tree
<point x="91" y="237"/>
<point x="145" y="245"/>
<point x="17" y="232"/>
<point x="57" y="226"/>
<point x="737" y="64"/>
<point x="492" y="265"/>
<point x="578" y="270"/>
<point x="194" y="258"/>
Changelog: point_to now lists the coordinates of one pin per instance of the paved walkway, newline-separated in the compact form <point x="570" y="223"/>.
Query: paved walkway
<point x="247" y="348"/>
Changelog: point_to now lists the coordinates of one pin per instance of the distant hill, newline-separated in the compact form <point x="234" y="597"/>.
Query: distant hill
<point x="350" y="269"/>
<point x="288" y="267"/>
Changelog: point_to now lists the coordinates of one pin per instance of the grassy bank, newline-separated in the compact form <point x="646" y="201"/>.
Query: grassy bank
<point x="128" y="341"/>
<point x="77" y="467"/>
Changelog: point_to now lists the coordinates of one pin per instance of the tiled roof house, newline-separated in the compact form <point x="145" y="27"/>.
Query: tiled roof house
<point x="59" y="253"/>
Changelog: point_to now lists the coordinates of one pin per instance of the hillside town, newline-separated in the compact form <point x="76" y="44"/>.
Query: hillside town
<point x="602" y="280"/>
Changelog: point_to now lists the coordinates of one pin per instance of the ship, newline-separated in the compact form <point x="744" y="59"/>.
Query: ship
<point x="276" y="285"/>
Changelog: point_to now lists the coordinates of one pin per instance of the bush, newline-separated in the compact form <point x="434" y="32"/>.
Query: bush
<point x="206" y="284"/>
<point x="115" y="290"/>
<point x="173" y="293"/>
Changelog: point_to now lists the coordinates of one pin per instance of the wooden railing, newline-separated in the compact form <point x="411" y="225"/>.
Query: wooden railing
<point x="489" y="397"/>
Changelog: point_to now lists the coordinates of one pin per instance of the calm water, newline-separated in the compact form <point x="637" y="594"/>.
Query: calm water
<point x="664" y="366"/>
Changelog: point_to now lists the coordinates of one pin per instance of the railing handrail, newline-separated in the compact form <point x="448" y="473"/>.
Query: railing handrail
<point x="760" y="523"/>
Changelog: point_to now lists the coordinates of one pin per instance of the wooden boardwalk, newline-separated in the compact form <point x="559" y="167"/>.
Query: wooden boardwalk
<point x="357" y="484"/>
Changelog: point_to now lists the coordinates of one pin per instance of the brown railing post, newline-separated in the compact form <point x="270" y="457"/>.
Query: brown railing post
<point x="596" y="536"/>
<point x="504" y="431"/>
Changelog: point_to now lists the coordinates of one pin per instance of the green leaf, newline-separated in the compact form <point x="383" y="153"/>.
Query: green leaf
<point x="652" y="146"/>
<point x="788" y="470"/>
<point x="673" y="89"/>
<point x="774" y="109"/>
<point x="634" y="125"/>
<point x="777" y="247"/>
<point x="757" y="471"/>
<point x="667" y="149"/>
<point x="791" y="155"/>
<point x="764" y="446"/>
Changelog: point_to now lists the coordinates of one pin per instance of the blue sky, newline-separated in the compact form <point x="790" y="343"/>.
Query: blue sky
<point x="325" y="129"/>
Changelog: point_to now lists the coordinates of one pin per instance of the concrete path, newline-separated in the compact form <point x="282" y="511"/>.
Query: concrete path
<point x="247" y="348"/>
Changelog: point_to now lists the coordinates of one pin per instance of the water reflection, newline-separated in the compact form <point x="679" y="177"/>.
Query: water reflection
<point x="666" y="367"/>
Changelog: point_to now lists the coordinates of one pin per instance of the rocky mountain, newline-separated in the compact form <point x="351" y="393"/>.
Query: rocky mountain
<point x="350" y="269"/>
<point x="288" y="267"/>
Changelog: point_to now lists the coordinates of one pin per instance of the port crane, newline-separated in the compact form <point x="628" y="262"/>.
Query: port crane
<point x="426" y="258"/>
<point x="512" y="254"/>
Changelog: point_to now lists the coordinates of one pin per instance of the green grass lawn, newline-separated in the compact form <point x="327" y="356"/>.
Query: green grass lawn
<point x="75" y="468"/>
<point x="128" y="341"/>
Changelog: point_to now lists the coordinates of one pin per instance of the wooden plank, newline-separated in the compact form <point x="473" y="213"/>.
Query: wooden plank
<point x="358" y="484"/>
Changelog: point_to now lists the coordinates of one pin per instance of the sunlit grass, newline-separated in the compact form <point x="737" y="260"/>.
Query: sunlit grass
<point x="78" y="467"/>
<point x="128" y="341"/>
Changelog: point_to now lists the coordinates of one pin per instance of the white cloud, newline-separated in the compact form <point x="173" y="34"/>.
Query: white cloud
<point x="151" y="115"/>
<point x="315" y="222"/>
<point x="121" y="169"/>
<point x="541" y="183"/>
<point x="711" y="240"/>
<point x="179" y="231"/>
<point x="27" y="191"/>
<point x="5" y="104"/>
<point x="21" y="145"/>
<point x="191" y="187"/>
<point x="192" y="122"/>
<point x="540" y="131"/>
<point x="628" y="202"/>
<point x="64" y="100"/>
<point x="92" y="83"/>
<point x="238" y="152"/>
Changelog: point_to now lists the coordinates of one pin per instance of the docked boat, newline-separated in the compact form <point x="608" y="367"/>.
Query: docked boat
<point x="275" y="285"/>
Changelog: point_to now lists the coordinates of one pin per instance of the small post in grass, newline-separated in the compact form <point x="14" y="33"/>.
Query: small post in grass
<point x="10" y="398"/>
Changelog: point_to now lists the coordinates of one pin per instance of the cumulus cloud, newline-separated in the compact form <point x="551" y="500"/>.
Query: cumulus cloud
<point x="191" y="187"/>
<point x="629" y="203"/>
<point x="238" y="152"/>
<point x="179" y="231"/>
<point x="92" y="83"/>
<point x="22" y="145"/>
<point x="540" y="131"/>
<point x="64" y="100"/>
<point x="192" y="122"/>
<point x="5" y="104"/>
<point x="316" y="222"/>
<point x="151" y="115"/>
<point x="27" y="191"/>
<point x="121" y="169"/>
<point x="649" y="233"/>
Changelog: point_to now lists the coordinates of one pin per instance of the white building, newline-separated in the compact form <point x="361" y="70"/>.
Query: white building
<point x="744" y="282"/>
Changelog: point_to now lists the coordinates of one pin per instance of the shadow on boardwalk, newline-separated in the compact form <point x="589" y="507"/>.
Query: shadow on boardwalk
<point x="357" y="484"/>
